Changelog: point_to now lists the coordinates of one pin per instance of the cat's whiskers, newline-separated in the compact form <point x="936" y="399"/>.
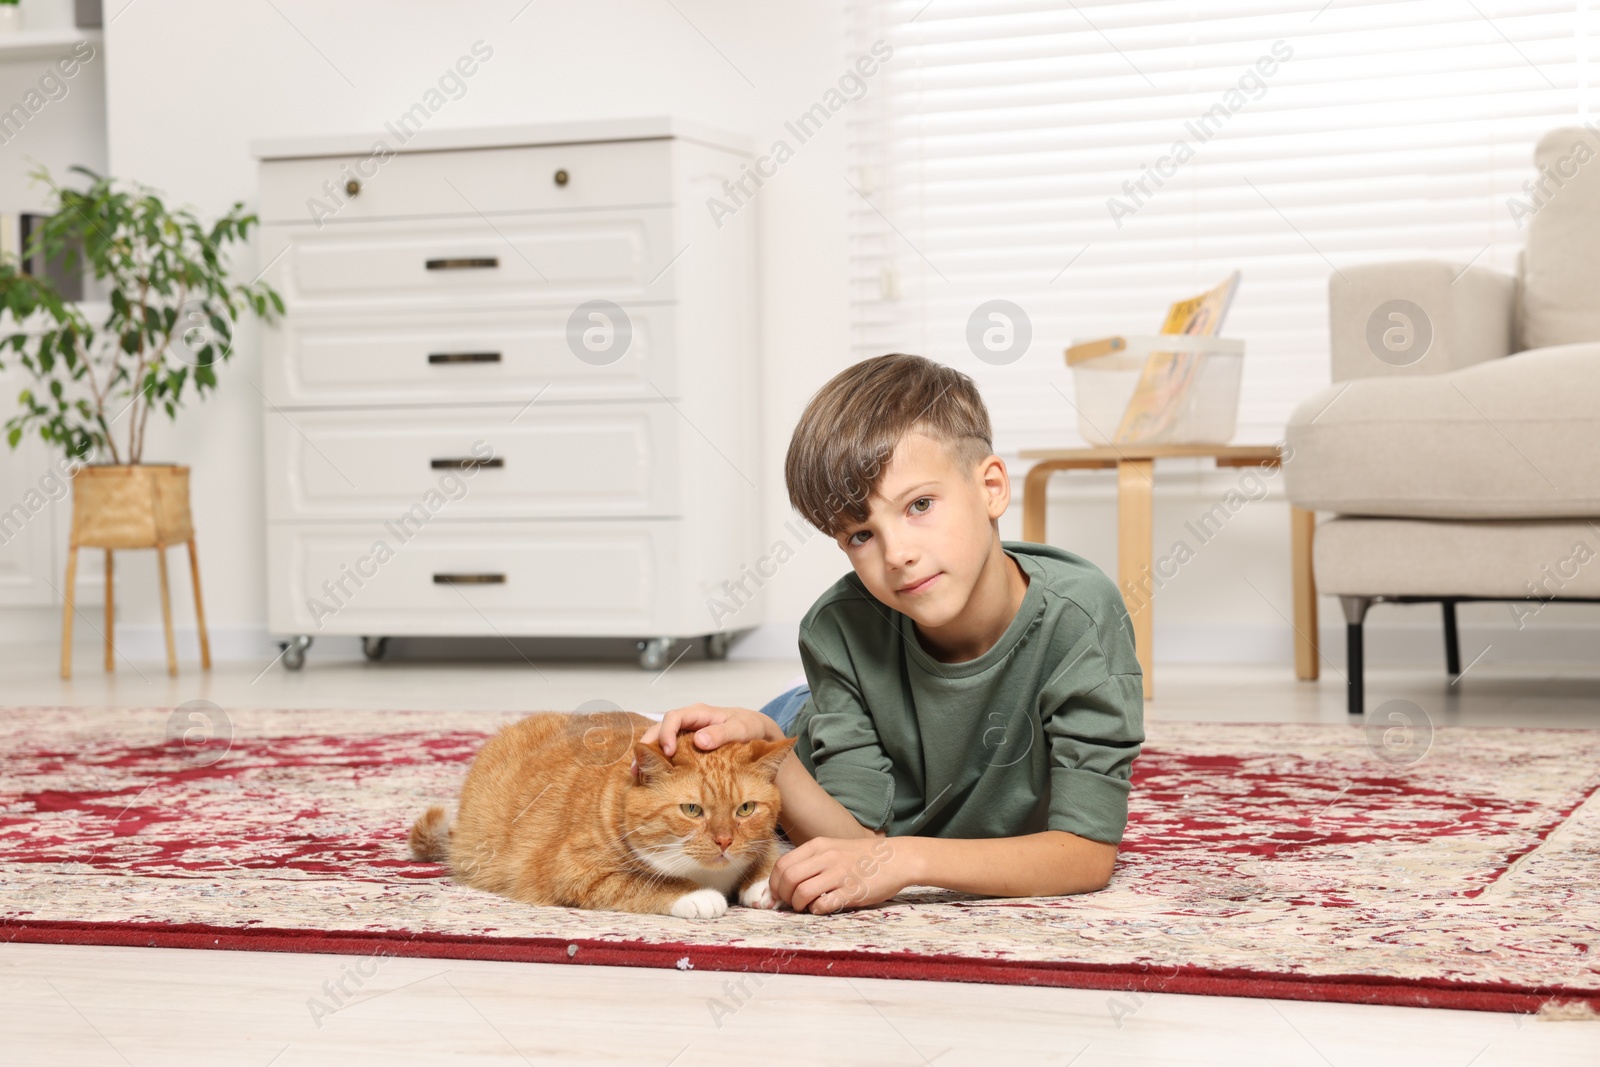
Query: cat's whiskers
<point x="669" y="858"/>
<point x="669" y="849"/>
<point x="649" y="875"/>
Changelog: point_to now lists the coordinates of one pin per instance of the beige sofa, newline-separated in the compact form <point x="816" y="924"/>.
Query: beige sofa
<point x="1458" y="449"/>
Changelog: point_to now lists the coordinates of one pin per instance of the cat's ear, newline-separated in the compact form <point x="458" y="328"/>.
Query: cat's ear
<point x="768" y="756"/>
<point x="649" y="763"/>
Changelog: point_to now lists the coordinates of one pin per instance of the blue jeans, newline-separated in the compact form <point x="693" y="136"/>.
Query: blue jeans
<point x="783" y="708"/>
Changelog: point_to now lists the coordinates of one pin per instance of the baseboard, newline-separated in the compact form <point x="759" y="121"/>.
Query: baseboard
<point x="144" y="643"/>
<point x="1387" y="644"/>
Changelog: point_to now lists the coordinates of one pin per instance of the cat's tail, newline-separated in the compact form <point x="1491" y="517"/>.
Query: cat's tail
<point x="430" y="836"/>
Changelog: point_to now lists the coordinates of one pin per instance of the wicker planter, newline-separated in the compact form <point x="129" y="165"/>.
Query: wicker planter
<point x="139" y="506"/>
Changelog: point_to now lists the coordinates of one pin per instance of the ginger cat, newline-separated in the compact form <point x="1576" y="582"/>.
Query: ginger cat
<point x="553" y="813"/>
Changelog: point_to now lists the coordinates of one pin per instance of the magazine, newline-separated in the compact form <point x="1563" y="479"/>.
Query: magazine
<point x="1157" y="400"/>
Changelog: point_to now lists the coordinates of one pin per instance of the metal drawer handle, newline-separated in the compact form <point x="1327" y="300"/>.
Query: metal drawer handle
<point x="463" y="357"/>
<point x="469" y="579"/>
<point x="464" y="263"/>
<point x="465" y="464"/>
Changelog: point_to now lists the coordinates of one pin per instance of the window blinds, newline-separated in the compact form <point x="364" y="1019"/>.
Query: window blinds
<point x="1093" y="161"/>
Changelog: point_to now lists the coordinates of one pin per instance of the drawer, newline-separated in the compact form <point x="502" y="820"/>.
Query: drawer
<point x="466" y="182"/>
<point x="544" y="460"/>
<point x="469" y="578"/>
<point x="445" y="357"/>
<point x="517" y="260"/>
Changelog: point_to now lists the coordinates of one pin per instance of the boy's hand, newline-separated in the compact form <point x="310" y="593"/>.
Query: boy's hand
<point x="713" y="727"/>
<point x="828" y="874"/>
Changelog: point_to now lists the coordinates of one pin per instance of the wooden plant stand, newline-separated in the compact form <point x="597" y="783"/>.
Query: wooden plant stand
<point x="140" y="506"/>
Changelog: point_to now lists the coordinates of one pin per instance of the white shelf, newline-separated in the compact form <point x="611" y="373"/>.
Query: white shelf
<point x="44" y="44"/>
<point x="458" y="138"/>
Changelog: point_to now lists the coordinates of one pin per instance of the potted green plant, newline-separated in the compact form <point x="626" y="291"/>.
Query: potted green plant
<point x="168" y="323"/>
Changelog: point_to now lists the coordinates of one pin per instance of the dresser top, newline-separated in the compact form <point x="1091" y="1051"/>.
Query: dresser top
<point x="444" y="139"/>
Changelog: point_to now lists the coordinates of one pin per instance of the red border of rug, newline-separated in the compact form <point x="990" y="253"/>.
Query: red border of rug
<point x="1346" y="989"/>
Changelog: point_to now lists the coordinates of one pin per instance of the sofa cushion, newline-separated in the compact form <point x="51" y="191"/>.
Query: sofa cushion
<point x="1510" y="438"/>
<point x="1561" y="260"/>
<point x="1433" y="557"/>
<point x="1467" y="317"/>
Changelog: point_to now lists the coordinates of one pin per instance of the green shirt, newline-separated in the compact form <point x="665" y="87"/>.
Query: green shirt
<point x="1038" y="733"/>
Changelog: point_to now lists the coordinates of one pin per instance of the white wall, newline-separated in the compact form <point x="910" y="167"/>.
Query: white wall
<point x="68" y="128"/>
<point x="192" y="83"/>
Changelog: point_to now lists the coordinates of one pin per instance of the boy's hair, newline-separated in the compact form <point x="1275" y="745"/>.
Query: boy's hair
<point x="848" y="433"/>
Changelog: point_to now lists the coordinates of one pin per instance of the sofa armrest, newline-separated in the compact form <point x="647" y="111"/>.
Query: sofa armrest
<point x="1418" y="316"/>
<point x="1507" y="439"/>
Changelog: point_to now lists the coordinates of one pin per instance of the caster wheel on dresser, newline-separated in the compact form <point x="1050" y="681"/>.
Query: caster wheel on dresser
<point x="294" y="651"/>
<point x="374" y="648"/>
<point x="717" y="645"/>
<point x="653" y="653"/>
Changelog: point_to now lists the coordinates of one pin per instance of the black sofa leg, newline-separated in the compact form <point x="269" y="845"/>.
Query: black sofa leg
<point x="1355" y="612"/>
<point x="1452" y="643"/>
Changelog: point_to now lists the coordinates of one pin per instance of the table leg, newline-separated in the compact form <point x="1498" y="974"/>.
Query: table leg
<point x="1302" y="528"/>
<point x="1035" y="498"/>
<point x="1135" y="478"/>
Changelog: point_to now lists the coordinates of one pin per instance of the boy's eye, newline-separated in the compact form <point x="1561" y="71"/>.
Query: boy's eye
<point x="921" y="500"/>
<point x="691" y="810"/>
<point x="851" y="540"/>
<point x="747" y="808"/>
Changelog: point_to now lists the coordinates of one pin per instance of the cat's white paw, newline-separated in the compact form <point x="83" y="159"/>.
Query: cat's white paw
<point x="701" y="904"/>
<point x="758" y="895"/>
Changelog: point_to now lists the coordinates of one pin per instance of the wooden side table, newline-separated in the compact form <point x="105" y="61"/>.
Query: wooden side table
<point x="1135" y="465"/>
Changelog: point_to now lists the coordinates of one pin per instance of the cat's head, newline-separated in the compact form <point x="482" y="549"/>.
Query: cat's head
<point x="698" y="813"/>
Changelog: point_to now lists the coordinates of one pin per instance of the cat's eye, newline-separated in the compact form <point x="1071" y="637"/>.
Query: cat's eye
<point x="691" y="810"/>
<point x="747" y="808"/>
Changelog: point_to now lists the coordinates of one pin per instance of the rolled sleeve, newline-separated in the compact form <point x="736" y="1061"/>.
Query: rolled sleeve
<point x="1094" y="737"/>
<point x="839" y="744"/>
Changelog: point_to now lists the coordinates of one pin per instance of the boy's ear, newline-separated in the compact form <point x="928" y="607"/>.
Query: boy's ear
<point x="768" y="756"/>
<point x="995" y="485"/>
<point x="649" y="763"/>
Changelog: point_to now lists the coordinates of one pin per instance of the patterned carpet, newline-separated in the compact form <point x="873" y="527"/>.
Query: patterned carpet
<point x="1304" y="862"/>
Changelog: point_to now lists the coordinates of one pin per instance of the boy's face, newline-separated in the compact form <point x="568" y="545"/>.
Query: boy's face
<point x="930" y="530"/>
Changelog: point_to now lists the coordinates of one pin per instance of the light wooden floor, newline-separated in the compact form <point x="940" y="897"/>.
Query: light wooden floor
<point x="88" y="1005"/>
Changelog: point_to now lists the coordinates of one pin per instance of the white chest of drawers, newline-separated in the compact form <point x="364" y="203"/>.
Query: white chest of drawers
<point x="515" y="392"/>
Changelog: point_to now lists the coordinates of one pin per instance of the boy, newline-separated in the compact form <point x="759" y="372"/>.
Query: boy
<point x="973" y="706"/>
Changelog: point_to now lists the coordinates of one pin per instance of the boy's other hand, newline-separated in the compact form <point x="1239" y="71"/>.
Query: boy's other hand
<point x="828" y="874"/>
<point x="713" y="727"/>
